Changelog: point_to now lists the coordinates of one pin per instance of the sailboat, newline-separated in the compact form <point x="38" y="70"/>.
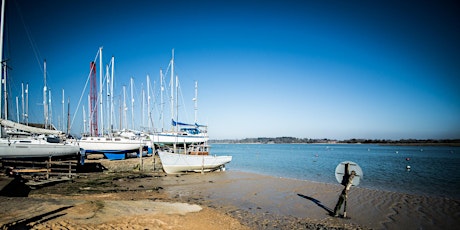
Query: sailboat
<point x="34" y="142"/>
<point x="110" y="144"/>
<point x="189" y="151"/>
<point x="180" y="132"/>
<point x="24" y="141"/>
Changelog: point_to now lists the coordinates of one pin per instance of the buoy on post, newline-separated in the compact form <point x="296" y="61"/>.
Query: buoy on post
<point x="348" y="174"/>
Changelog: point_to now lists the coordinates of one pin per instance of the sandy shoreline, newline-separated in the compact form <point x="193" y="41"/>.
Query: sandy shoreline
<point x="223" y="200"/>
<point x="312" y="201"/>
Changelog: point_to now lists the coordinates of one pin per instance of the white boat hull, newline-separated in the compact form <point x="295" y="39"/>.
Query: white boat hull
<point x="109" y="145"/>
<point x="174" y="163"/>
<point x="33" y="148"/>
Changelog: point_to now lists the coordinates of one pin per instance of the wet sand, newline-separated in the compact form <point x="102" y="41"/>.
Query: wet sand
<point x="220" y="200"/>
<point x="296" y="203"/>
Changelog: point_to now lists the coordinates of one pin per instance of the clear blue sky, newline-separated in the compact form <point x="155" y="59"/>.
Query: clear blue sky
<point x="309" y="69"/>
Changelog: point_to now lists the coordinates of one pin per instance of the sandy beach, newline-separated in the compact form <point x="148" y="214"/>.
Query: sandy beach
<point x="220" y="200"/>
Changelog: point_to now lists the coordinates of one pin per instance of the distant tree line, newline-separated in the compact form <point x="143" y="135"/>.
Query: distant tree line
<point x="295" y="140"/>
<point x="273" y="140"/>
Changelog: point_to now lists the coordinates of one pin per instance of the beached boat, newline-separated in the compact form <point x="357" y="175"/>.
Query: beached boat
<point x="36" y="147"/>
<point x="24" y="141"/>
<point x="194" y="159"/>
<point x="109" y="144"/>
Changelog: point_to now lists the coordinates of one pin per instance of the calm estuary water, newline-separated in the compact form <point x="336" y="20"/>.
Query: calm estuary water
<point x="435" y="170"/>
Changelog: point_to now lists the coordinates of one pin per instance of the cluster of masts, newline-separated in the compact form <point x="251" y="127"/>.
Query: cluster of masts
<point x="23" y="116"/>
<point x="90" y="120"/>
<point x="96" y="116"/>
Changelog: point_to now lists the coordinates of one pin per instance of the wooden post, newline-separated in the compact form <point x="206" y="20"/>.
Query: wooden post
<point x="153" y="156"/>
<point x="70" y="169"/>
<point x="48" y="166"/>
<point x="345" y="205"/>
<point x="141" y="163"/>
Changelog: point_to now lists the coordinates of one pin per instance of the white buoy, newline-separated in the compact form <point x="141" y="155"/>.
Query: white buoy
<point x="408" y="167"/>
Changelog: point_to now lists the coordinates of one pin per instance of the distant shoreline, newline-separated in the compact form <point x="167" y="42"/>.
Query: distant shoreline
<point x="424" y="144"/>
<point x="388" y="144"/>
<point x="294" y="140"/>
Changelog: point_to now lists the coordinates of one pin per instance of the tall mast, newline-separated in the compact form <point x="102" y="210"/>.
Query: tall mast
<point x="63" y="111"/>
<point x="162" y="105"/>
<point x="100" y="90"/>
<point x="143" y="106"/>
<point x="5" y="93"/>
<point x="124" y="106"/>
<point x="45" y="105"/>
<point x="107" y="91"/>
<point x="195" y="99"/>
<point x="111" y="96"/>
<point x="148" y="102"/>
<point x="68" y="116"/>
<point x="177" y="99"/>
<point x="50" y="112"/>
<point x="132" y="104"/>
<point x="172" y="89"/>
<point x="1" y="56"/>
<point x="27" y="104"/>
<point x="17" y="109"/>
<point x="1" y="33"/>
<point x="22" y="101"/>
<point x="92" y="111"/>
<point x="120" y="112"/>
<point x="84" y="120"/>
<point x="90" y="130"/>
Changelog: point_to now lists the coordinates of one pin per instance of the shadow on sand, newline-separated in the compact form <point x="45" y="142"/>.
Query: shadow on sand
<point x="317" y="202"/>
<point x="15" y="188"/>
<point x="90" y="168"/>
<point x="28" y="223"/>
